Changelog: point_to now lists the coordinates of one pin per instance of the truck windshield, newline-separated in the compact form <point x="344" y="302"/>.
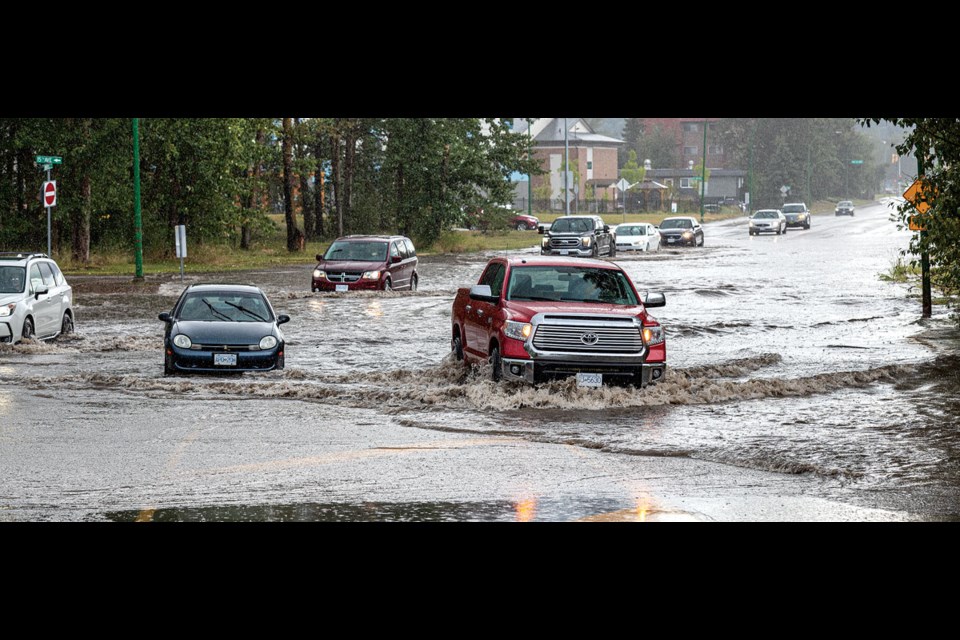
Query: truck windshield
<point x="357" y="251"/>
<point x="572" y="225"/>
<point x="570" y="284"/>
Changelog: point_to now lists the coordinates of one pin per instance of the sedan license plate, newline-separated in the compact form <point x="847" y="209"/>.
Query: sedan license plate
<point x="589" y="379"/>
<point x="671" y="239"/>
<point x="225" y="359"/>
<point x="342" y="288"/>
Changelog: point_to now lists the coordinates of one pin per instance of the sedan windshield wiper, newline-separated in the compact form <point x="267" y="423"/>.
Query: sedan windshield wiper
<point x="219" y="313"/>
<point x="246" y="311"/>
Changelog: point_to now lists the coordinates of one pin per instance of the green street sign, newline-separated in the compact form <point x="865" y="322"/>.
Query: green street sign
<point x="856" y="162"/>
<point x="49" y="160"/>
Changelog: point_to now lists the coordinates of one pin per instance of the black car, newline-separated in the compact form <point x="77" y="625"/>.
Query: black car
<point x="222" y="327"/>
<point x="681" y="230"/>
<point x="844" y="208"/>
<point x="797" y="214"/>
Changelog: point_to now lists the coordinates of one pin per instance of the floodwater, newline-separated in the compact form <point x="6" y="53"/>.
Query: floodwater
<point x="787" y="355"/>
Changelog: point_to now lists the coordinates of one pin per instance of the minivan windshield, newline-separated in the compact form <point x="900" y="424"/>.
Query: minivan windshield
<point x="372" y="251"/>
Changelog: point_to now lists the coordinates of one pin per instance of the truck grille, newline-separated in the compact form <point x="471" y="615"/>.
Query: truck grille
<point x="344" y="276"/>
<point x="584" y="336"/>
<point x="564" y="243"/>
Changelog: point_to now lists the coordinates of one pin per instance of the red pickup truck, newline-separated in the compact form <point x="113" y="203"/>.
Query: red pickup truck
<point x="538" y="318"/>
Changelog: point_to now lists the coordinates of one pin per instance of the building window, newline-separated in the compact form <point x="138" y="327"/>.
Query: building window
<point x="686" y="183"/>
<point x="668" y="182"/>
<point x="689" y="151"/>
<point x="715" y="149"/>
<point x="690" y="126"/>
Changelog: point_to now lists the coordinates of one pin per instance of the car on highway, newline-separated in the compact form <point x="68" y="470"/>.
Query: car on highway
<point x="222" y="328"/>
<point x="797" y="214"/>
<point x="681" y="230"/>
<point x="844" y="208"/>
<point x="524" y="222"/>
<point x="539" y="318"/>
<point x="765" y="220"/>
<point x="582" y="236"/>
<point x="354" y="263"/>
<point x="640" y="236"/>
<point x="35" y="300"/>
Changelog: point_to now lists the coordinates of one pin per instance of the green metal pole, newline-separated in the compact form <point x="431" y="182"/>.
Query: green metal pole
<point x="703" y="171"/>
<point x="137" y="224"/>
<point x="529" y="177"/>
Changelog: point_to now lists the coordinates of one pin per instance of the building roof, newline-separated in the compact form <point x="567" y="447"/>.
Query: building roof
<point x="550" y="130"/>
<point x="693" y="173"/>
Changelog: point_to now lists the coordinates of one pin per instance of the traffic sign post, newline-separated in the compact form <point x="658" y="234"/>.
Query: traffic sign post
<point x="918" y="196"/>
<point x="49" y="193"/>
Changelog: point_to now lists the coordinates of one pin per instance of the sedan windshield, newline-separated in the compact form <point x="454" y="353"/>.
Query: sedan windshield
<point x="676" y="223"/>
<point x="572" y="225"/>
<point x="793" y="208"/>
<point x="766" y="214"/>
<point x="845" y="203"/>
<point x="12" y="279"/>
<point x="570" y="284"/>
<point x="226" y="306"/>
<point x="631" y="231"/>
<point x="373" y="251"/>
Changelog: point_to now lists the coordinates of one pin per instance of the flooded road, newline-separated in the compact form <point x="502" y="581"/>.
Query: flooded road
<point x="800" y="386"/>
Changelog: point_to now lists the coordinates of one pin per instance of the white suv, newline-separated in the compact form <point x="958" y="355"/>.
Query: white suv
<point x="35" y="299"/>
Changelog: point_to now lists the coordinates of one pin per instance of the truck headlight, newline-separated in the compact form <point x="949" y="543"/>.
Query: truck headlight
<point x="268" y="342"/>
<point x="652" y="335"/>
<point x="371" y="275"/>
<point x="317" y="274"/>
<point x="586" y="241"/>
<point x="7" y="310"/>
<point x="182" y="341"/>
<point x="518" y="330"/>
<point x="545" y="243"/>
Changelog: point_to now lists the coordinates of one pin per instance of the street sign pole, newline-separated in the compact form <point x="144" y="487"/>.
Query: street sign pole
<point x="137" y="225"/>
<point x="49" y="236"/>
<point x="926" y="296"/>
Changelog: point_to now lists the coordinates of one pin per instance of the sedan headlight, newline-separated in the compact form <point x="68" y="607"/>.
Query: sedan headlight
<point x="753" y="223"/>
<point x="7" y="310"/>
<point x="268" y="342"/>
<point x="371" y="275"/>
<point x="688" y="234"/>
<point x="518" y="330"/>
<point x="587" y="241"/>
<point x="652" y="335"/>
<point x="182" y="341"/>
<point x="317" y="273"/>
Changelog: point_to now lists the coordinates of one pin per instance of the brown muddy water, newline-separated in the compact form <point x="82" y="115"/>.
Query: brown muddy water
<point x="787" y="355"/>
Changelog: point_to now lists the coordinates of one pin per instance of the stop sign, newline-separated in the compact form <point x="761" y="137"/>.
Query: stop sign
<point x="50" y="193"/>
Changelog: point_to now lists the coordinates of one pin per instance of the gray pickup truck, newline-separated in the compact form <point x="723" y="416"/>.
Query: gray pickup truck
<point x="581" y="236"/>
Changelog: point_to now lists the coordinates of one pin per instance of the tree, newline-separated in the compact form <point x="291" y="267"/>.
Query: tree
<point x="294" y="234"/>
<point x="935" y="141"/>
<point x="631" y="171"/>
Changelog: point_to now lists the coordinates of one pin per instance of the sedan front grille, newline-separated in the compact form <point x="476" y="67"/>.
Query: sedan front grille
<point x="589" y="338"/>
<point x="225" y="348"/>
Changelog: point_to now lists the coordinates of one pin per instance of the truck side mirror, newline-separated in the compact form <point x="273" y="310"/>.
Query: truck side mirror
<point x="540" y="229"/>
<point x="483" y="293"/>
<point x="655" y="300"/>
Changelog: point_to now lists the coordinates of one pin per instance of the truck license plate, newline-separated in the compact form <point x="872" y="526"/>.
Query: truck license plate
<point x="589" y="379"/>
<point x="342" y="288"/>
<point x="564" y="253"/>
<point x="225" y="359"/>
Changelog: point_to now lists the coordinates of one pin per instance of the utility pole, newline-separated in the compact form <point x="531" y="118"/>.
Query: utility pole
<point x="566" y="170"/>
<point x="137" y="225"/>
<point x="529" y="177"/>
<point x="927" y="298"/>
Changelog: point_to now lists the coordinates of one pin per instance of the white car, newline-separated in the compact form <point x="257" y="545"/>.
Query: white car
<point x="771" y="220"/>
<point x="637" y="236"/>
<point x="35" y="299"/>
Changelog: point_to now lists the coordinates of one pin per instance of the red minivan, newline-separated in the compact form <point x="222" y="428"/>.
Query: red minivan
<point x="367" y="262"/>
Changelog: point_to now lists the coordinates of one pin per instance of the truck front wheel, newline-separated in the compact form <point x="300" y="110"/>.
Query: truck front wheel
<point x="495" y="363"/>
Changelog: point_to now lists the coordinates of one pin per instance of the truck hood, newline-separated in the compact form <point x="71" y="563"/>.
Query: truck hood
<point x="532" y="308"/>
<point x="337" y="266"/>
<point x="569" y="234"/>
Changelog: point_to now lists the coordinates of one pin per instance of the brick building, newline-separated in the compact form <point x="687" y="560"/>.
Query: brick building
<point x="688" y="133"/>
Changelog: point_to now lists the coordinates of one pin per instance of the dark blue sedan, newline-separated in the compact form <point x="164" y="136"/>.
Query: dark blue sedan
<point x="222" y="327"/>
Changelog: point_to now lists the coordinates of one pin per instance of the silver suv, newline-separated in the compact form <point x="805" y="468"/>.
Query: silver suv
<point x="35" y="299"/>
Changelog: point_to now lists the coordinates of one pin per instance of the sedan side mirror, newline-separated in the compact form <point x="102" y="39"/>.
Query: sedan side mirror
<point x="166" y="317"/>
<point x="655" y="300"/>
<point x="283" y="318"/>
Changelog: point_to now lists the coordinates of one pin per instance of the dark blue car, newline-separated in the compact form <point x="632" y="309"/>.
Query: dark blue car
<point x="222" y="327"/>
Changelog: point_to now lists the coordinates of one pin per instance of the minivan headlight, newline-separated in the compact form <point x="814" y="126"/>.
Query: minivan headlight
<point x="371" y="275"/>
<point x="182" y="341"/>
<point x="317" y="273"/>
<point x="268" y="342"/>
